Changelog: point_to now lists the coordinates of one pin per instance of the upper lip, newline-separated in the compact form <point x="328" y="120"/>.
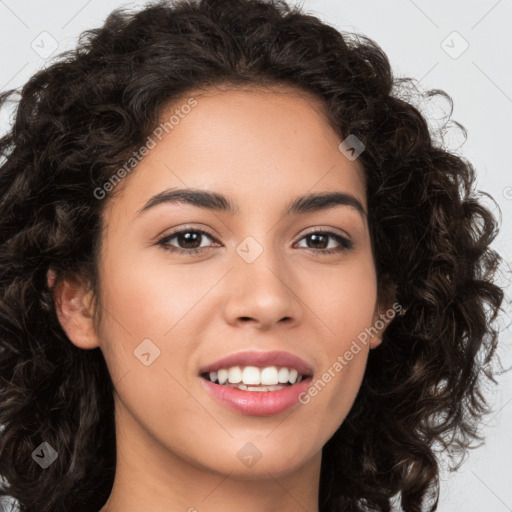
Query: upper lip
<point x="260" y="360"/>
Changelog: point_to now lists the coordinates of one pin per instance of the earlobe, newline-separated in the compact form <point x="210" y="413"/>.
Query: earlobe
<point x="50" y="278"/>
<point x="73" y="306"/>
<point x="375" y="342"/>
<point x="380" y="323"/>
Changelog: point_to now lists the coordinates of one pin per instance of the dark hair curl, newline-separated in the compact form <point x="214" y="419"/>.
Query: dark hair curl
<point x="80" y="118"/>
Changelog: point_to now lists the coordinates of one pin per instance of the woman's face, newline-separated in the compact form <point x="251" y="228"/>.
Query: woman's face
<point x="261" y="282"/>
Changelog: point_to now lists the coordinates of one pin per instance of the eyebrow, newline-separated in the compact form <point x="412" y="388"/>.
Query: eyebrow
<point x="217" y="202"/>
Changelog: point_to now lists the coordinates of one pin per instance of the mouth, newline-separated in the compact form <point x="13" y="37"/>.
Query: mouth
<point x="256" y="399"/>
<point x="256" y="368"/>
<point x="257" y="383"/>
<point x="252" y="378"/>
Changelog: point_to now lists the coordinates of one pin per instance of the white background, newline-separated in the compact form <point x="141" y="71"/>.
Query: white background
<point x="411" y="33"/>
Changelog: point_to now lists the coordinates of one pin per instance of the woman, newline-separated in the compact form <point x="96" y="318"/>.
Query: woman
<point x="235" y="269"/>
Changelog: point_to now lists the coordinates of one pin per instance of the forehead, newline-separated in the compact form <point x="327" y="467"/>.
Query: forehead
<point x="259" y="145"/>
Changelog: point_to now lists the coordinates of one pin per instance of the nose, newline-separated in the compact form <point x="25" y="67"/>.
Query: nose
<point x="262" y="293"/>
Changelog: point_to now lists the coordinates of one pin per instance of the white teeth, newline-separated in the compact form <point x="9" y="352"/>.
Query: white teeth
<point x="243" y="387"/>
<point x="251" y="375"/>
<point x="282" y="375"/>
<point x="222" y="376"/>
<point x="269" y="376"/>
<point x="235" y="375"/>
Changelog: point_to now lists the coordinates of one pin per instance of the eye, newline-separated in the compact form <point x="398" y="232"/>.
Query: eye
<point x="321" y="237"/>
<point x="190" y="240"/>
<point x="189" y="237"/>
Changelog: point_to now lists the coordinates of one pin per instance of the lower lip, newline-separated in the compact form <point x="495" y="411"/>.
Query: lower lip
<point x="258" y="403"/>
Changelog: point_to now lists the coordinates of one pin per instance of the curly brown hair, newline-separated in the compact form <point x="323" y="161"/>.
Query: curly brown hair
<point x="79" y="119"/>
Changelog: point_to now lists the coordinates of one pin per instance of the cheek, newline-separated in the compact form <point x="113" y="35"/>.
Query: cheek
<point x="334" y="389"/>
<point x="145" y="308"/>
<point x="147" y="295"/>
<point x="347" y="307"/>
<point x="344" y="378"/>
<point x="149" y="298"/>
<point x="345" y="302"/>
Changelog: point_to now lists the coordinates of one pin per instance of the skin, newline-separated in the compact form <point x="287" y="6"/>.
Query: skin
<point x="177" y="446"/>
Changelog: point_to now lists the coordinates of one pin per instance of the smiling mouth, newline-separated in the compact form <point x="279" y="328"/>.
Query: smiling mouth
<point x="253" y="387"/>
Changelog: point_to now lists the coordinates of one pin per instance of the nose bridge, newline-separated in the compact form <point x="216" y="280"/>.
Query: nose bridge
<point x="261" y="263"/>
<point x="263" y="291"/>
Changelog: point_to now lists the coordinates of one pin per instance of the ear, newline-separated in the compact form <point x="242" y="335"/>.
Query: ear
<point x="384" y="313"/>
<point x="74" y="308"/>
<point x="376" y="340"/>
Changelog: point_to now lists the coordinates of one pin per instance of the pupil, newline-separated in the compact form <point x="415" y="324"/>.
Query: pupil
<point x="315" y="236"/>
<point x="187" y="237"/>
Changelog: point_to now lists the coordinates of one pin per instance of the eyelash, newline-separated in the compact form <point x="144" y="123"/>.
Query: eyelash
<point x="346" y="244"/>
